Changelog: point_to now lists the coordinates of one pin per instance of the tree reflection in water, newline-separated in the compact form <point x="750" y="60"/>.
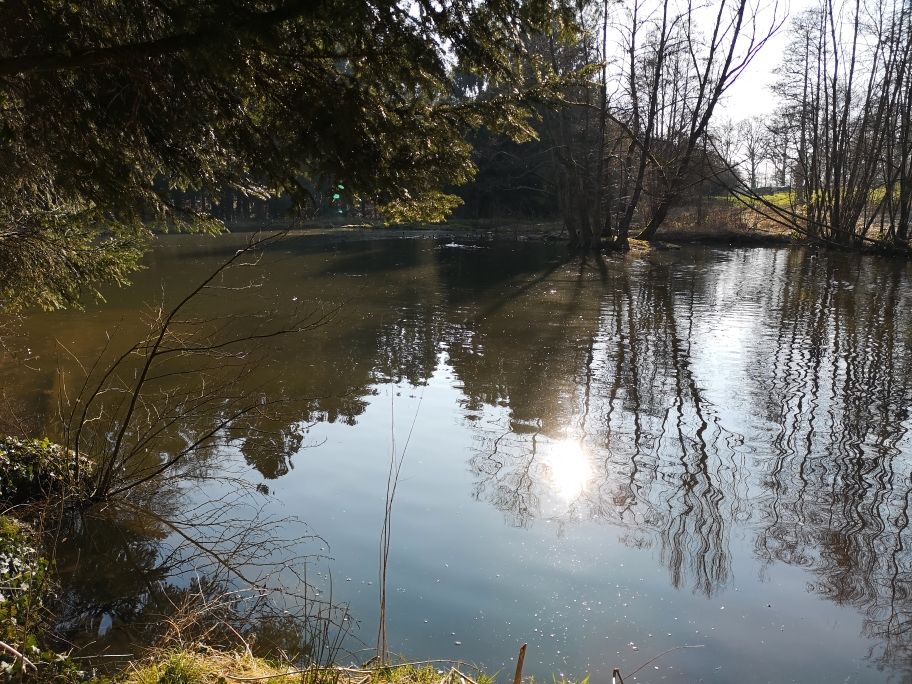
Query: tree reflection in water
<point x="663" y="465"/>
<point x="837" y="480"/>
<point x="819" y="467"/>
<point x="685" y="396"/>
<point x="218" y="570"/>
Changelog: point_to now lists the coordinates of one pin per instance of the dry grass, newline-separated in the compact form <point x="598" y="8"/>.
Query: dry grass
<point x="204" y="665"/>
<point x="208" y="666"/>
<point x="719" y="222"/>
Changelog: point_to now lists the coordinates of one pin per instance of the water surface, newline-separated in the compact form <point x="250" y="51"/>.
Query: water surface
<point x="605" y="458"/>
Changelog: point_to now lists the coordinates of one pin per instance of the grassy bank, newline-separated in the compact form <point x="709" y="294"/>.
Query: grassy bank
<point x="201" y="665"/>
<point x="715" y="223"/>
<point x="205" y="666"/>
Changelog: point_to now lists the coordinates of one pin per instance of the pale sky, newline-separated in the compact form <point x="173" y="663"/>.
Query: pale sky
<point x="750" y="95"/>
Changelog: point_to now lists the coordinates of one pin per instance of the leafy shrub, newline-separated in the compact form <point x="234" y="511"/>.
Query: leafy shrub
<point x="35" y="469"/>
<point x="25" y="587"/>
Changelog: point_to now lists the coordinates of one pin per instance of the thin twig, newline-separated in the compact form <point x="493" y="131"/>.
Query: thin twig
<point x="663" y="653"/>
<point x="16" y="654"/>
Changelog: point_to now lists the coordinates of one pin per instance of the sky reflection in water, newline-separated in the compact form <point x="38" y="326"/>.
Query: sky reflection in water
<point x="609" y="459"/>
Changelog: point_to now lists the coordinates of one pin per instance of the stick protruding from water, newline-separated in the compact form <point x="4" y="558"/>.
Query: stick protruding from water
<point x="517" y="678"/>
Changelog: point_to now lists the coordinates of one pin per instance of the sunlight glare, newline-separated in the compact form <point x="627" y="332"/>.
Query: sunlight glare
<point x="569" y="468"/>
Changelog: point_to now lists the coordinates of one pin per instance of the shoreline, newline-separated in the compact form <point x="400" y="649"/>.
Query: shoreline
<point x="521" y="231"/>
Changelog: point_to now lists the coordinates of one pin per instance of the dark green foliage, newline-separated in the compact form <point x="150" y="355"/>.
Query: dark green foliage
<point x="513" y="180"/>
<point x="106" y="105"/>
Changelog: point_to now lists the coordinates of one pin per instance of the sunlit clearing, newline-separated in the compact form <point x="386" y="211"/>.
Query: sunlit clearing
<point x="569" y="468"/>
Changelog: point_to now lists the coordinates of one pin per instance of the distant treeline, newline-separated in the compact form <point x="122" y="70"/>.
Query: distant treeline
<point x="525" y="181"/>
<point x="513" y="181"/>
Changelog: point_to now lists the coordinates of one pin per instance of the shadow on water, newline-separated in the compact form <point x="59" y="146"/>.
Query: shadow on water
<point x="680" y="397"/>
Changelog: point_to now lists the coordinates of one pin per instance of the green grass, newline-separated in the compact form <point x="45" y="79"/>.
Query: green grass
<point x="782" y="199"/>
<point x="420" y="674"/>
<point x="787" y="199"/>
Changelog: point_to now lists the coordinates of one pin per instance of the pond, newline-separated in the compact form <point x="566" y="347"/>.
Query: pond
<point x="606" y="459"/>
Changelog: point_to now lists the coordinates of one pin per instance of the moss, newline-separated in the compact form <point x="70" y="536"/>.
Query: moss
<point x="33" y="470"/>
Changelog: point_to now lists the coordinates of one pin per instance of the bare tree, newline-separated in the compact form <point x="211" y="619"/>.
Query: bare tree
<point x="628" y="143"/>
<point x="735" y="38"/>
<point x="842" y="131"/>
<point x="752" y="136"/>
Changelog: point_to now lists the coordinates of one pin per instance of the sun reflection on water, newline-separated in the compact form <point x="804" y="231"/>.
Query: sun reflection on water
<point x="569" y="468"/>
